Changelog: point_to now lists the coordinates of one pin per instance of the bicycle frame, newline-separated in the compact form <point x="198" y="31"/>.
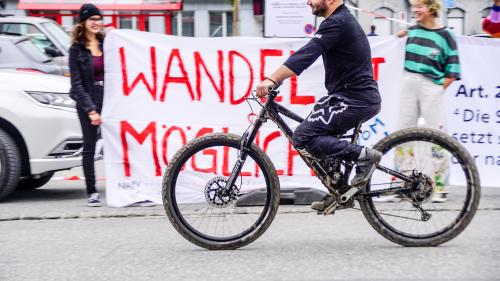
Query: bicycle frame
<point x="272" y="110"/>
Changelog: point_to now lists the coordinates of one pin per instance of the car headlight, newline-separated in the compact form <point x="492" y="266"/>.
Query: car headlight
<point x="54" y="99"/>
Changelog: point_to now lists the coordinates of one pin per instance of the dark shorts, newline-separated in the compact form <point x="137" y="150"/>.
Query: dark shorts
<point x="332" y="116"/>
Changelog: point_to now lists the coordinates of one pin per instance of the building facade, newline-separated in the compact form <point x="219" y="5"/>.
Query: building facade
<point x="205" y="18"/>
<point x="464" y="18"/>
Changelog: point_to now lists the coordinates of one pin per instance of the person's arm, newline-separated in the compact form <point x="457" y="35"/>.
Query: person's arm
<point x="402" y="33"/>
<point x="282" y="73"/>
<point x="326" y="38"/>
<point x="452" y="63"/>
<point x="78" y="92"/>
<point x="448" y="81"/>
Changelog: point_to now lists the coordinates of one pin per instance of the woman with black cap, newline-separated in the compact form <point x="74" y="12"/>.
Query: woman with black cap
<point x="86" y="64"/>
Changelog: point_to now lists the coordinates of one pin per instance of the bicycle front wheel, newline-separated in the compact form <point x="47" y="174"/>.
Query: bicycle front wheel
<point x="442" y="198"/>
<point x="207" y="212"/>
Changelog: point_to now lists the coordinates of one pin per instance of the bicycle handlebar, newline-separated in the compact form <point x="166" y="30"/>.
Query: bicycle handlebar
<point x="273" y="91"/>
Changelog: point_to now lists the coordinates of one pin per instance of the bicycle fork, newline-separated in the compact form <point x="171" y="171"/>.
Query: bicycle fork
<point x="245" y="144"/>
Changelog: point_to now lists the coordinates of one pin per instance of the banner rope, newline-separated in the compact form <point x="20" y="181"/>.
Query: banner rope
<point x="377" y="15"/>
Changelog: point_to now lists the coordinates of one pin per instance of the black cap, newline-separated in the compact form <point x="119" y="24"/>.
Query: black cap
<point x="87" y="11"/>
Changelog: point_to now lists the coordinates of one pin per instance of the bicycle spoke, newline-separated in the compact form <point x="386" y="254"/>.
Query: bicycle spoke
<point x="400" y="205"/>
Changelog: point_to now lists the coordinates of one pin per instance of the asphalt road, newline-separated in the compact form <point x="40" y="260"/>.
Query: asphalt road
<point x="49" y="234"/>
<point x="298" y="246"/>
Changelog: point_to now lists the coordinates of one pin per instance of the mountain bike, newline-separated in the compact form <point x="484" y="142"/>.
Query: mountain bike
<point x="208" y="181"/>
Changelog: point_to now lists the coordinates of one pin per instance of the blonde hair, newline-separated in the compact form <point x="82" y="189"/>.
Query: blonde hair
<point x="434" y="5"/>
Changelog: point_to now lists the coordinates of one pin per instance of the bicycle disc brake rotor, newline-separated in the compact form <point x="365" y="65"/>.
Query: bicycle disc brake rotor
<point x="218" y="195"/>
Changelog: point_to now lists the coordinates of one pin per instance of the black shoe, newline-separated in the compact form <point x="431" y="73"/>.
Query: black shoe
<point x="365" y="167"/>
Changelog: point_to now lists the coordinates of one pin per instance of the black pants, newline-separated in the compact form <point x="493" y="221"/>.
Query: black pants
<point x="332" y="116"/>
<point x="90" y="137"/>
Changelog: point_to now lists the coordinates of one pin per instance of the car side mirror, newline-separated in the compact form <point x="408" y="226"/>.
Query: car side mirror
<point x="52" y="52"/>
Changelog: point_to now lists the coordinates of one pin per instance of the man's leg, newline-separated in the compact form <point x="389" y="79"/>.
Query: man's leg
<point x="330" y="117"/>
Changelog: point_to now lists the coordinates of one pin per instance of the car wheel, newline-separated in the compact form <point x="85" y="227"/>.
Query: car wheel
<point x="33" y="183"/>
<point x="10" y="165"/>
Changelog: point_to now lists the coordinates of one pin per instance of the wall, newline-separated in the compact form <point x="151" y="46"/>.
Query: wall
<point x="11" y="8"/>
<point x="251" y="25"/>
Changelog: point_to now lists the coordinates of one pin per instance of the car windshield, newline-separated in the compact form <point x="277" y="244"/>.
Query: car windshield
<point x="61" y="36"/>
<point x="32" y="51"/>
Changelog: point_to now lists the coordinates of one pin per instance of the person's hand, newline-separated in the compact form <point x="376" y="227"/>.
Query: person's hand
<point x="263" y="88"/>
<point x="402" y="33"/>
<point x="95" y="118"/>
<point x="108" y="28"/>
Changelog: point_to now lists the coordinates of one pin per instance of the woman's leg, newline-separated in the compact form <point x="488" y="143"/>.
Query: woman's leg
<point x="89" y="132"/>
<point x="409" y="112"/>
<point x="437" y="164"/>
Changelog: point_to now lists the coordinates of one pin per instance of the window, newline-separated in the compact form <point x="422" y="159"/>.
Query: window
<point x="485" y="12"/>
<point x="221" y="24"/>
<point x="57" y="32"/>
<point x="19" y="29"/>
<point x="33" y="52"/>
<point x="183" y="23"/>
<point x="156" y="23"/>
<point x="24" y="29"/>
<point x="127" y="21"/>
<point x="382" y="24"/>
<point x="456" y="20"/>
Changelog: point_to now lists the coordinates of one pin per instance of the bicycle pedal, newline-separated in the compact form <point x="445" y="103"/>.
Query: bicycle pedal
<point x="347" y="205"/>
<point x="330" y="210"/>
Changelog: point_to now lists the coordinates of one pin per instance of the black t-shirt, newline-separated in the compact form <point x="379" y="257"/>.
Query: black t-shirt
<point x="346" y="58"/>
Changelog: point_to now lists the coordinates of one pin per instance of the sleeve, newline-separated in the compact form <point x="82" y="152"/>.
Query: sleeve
<point x="304" y="57"/>
<point x="452" y="61"/>
<point x="77" y="91"/>
<point x="326" y="38"/>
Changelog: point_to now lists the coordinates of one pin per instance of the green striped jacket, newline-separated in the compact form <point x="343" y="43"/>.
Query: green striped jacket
<point x="433" y="53"/>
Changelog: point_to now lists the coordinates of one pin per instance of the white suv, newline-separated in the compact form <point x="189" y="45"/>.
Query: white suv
<point x="39" y="129"/>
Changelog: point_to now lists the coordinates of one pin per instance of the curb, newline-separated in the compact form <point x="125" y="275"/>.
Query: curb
<point x="73" y="178"/>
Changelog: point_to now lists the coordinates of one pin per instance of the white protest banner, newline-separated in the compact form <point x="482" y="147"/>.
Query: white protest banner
<point x="474" y="105"/>
<point x="162" y="91"/>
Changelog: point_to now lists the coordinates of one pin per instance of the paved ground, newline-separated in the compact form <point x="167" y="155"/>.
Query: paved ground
<point x="50" y="234"/>
<point x="298" y="246"/>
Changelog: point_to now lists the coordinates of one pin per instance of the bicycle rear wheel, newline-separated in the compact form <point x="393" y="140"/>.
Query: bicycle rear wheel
<point x="448" y="199"/>
<point x="199" y="205"/>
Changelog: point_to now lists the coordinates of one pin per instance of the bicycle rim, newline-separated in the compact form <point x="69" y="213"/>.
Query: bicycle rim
<point x="197" y="198"/>
<point x="451" y="197"/>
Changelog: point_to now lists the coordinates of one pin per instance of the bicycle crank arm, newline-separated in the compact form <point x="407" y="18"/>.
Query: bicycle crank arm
<point x="349" y="194"/>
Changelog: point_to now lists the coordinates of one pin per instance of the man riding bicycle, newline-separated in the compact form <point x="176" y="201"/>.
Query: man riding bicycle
<point x="352" y="98"/>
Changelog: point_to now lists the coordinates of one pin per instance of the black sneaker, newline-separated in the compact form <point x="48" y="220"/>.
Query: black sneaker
<point x="365" y="167"/>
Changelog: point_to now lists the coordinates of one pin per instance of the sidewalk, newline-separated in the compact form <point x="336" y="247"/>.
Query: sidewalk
<point x="67" y="199"/>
